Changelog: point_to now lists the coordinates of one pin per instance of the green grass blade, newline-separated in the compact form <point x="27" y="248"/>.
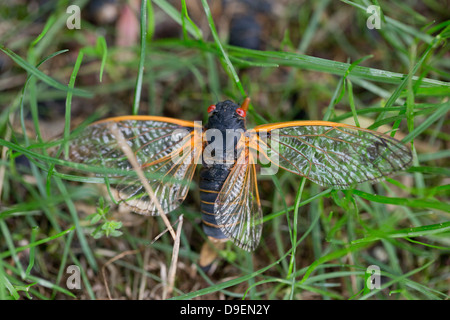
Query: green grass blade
<point x="438" y="114"/>
<point x="176" y="16"/>
<point x="42" y="76"/>
<point x="416" y="203"/>
<point x="138" y="86"/>
<point x="230" y="68"/>
<point x="8" y="253"/>
<point x="421" y="231"/>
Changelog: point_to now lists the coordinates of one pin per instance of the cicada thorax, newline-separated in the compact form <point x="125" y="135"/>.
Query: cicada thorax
<point x="222" y="133"/>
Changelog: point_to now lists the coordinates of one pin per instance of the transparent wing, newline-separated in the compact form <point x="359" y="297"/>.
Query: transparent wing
<point x="237" y="207"/>
<point x="332" y="154"/>
<point x="167" y="150"/>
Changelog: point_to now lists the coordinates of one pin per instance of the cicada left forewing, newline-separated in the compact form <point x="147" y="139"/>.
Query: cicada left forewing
<point x="167" y="151"/>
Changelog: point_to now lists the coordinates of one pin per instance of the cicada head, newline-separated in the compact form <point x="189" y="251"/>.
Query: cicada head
<point x="226" y="115"/>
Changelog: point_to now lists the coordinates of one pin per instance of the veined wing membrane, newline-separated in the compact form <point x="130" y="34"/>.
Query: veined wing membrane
<point x="333" y="154"/>
<point x="237" y="207"/>
<point x="167" y="151"/>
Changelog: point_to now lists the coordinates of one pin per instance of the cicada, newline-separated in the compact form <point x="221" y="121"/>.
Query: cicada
<point x="168" y="151"/>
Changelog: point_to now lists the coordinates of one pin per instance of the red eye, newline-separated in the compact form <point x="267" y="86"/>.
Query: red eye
<point x="211" y="108"/>
<point x="241" y="112"/>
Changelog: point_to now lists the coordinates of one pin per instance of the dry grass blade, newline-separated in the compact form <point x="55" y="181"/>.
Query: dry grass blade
<point x="117" y="257"/>
<point x="132" y="158"/>
<point x="173" y="264"/>
<point x="163" y="232"/>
